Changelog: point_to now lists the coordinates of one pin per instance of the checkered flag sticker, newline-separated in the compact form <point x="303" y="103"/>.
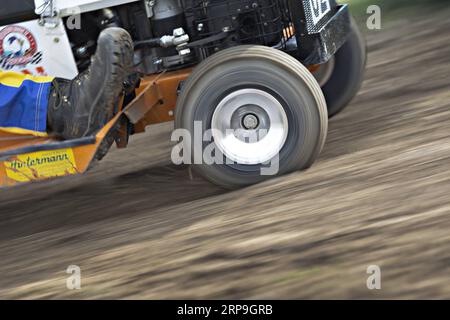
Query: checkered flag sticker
<point x="37" y="58"/>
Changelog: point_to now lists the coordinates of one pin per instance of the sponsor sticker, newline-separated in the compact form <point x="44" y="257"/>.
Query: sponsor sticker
<point x="18" y="47"/>
<point x="41" y="165"/>
<point x="30" y="48"/>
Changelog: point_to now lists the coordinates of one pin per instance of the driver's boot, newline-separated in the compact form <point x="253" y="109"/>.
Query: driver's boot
<point x="81" y="107"/>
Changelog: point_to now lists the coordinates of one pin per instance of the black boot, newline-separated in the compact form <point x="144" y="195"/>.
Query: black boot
<point x="81" y="107"/>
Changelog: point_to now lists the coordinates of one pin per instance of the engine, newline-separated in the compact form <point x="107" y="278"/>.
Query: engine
<point x="245" y="21"/>
<point x="172" y="34"/>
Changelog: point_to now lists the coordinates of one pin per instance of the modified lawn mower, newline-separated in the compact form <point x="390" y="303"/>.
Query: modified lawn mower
<point x="280" y="67"/>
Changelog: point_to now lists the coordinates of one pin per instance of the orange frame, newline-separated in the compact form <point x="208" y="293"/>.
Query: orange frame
<point x="155" y="103"/>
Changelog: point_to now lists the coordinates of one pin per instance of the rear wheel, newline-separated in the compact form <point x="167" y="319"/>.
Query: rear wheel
<point x="265" y="112"/>
<point x="341" y="77"/>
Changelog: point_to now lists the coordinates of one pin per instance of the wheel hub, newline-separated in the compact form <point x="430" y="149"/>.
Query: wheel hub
<point x="250" y="126"/>
<point x="250" y="121"/>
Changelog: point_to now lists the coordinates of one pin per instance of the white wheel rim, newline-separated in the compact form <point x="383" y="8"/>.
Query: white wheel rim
<point x="249" y="126"/>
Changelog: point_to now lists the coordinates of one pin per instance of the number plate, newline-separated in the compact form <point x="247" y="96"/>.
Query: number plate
<point x="319" y="9"/>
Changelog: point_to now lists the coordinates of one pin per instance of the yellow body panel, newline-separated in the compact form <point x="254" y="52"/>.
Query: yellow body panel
<point x="14" y="79"/>
<point x="43" y="164"/>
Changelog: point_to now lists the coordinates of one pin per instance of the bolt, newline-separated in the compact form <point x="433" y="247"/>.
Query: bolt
<point x="178" y="32"/>
<point x="250" y="122"/>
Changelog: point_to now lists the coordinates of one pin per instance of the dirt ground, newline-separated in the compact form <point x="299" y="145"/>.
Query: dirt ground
<point x="141" y="228"/>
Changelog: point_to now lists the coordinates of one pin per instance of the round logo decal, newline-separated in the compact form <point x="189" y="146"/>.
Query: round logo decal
<point x="17" y="45"/>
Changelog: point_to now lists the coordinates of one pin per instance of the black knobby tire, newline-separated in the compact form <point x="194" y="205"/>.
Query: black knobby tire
<point x="348" y="73"/>
<point x="270" y="71"/>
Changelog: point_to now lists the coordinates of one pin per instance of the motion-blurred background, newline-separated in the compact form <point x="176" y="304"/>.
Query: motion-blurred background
<point x="141" y="228"/>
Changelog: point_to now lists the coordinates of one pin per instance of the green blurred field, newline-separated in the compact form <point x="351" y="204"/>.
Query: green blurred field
<point x="390" y="7"/>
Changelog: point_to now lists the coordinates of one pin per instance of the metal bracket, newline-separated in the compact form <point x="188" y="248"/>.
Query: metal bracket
<point x="49" y="15"/>
<point x="149" y="4"/>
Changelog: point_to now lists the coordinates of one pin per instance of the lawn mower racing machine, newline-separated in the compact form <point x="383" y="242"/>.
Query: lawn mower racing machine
<point x="280" y="68"/>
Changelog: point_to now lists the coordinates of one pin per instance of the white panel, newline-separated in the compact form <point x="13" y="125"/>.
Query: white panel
<point x="30" y="48"/>
<point x="68" y="7"/>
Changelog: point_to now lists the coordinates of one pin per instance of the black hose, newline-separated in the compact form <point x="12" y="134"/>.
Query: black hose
<point x="151" y="43"/>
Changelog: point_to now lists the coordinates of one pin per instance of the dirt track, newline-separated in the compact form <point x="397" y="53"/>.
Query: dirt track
<point x="140" y="228"/>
